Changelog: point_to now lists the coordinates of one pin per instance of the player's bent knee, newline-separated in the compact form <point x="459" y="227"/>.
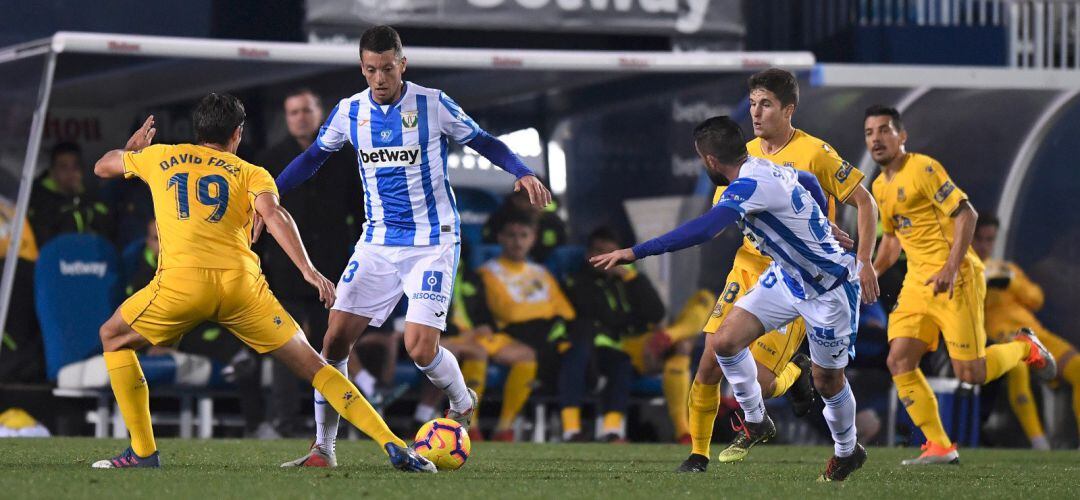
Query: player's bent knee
<point x="828" y="382"/>
<point x="900" y="364"/>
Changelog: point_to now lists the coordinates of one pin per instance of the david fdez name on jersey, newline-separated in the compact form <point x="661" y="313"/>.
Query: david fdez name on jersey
<point x="401" y="156"/>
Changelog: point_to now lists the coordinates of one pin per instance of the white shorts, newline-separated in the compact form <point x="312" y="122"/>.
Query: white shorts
<point x="832" y="318"/>
<point x="377" y="275"/>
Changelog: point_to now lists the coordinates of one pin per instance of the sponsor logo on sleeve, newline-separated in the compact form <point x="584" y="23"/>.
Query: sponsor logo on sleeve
<point x="844" y="171"/>
<point x="944" y="191"/>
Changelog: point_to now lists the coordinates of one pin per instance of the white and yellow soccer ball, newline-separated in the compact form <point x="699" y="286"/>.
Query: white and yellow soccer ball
<point x="445" y="442"/>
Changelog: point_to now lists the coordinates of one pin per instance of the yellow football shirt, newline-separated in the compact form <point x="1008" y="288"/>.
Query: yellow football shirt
<point x="917" y="204"/>
<point x="204" y="200"/>
<point x="1013" y="307"/>
<point x="837" y="177"/>
<point x="518" y="292"/>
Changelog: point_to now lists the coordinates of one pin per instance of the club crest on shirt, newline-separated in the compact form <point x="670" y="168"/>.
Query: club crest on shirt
<point x="409" y="119"/>
<point x="900" y="195"/>
<point x="386" y="135"/>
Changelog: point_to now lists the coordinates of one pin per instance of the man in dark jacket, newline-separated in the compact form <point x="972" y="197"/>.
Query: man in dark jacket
<point x="61" y="203"/>
<point x="328" y="209"/>
<point x="613" y="306"/>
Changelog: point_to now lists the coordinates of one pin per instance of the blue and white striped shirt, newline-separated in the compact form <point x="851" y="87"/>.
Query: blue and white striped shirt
<point x="784" y="221"/>
<point x="402" y="150"/>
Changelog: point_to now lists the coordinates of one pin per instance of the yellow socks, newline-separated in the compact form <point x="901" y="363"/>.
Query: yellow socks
<point x="921" y="404"/>
<point x="676" y="383"/>
<point x="704" y="401"/>
<point x="1023" y="401"/>
<point x="349" y="403"/>
<point x="613" y="421"/>
<point x="133" y="397"/>
<point x="785" y="378"/>
<point x="571" y="421"/>
<point x="516" y="392"/>
<point x="475" y="373"/>
<point x="1000" y="358"/>
<point x="1071" y="373"/>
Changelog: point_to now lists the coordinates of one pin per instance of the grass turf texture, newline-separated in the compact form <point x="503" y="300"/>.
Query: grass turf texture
<point x="60" y="468"/>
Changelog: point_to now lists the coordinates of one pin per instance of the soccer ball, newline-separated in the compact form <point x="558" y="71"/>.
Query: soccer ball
<point x="444" y="442"/>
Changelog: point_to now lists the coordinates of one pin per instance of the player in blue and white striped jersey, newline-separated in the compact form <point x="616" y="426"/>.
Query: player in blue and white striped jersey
<point x="410" y="244"/>
<point x="810" y="276"/>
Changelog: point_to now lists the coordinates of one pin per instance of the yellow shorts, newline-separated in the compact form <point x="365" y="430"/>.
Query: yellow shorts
<point x="179" y="299"/>
<point x="921" y="315"/>
<point x="495" y="342"/>
<point x="772" y="350"/>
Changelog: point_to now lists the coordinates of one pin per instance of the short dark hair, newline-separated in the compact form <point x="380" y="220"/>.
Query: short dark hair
<point x="504" y="218"/>
<point x="603" y="233"/>
<point x="781" y="83"/>
<point x="216" y="117"/>
<point x="722" y="138"/>
<point x="380" y="39"/>
<point x="987" y="220"/>
<point x="62" y="148"/>
<point x="883" y="110"/>
<point x="298" y="91"/>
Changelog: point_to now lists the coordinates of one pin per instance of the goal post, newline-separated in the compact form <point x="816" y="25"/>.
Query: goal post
<point x="31" y="70"/>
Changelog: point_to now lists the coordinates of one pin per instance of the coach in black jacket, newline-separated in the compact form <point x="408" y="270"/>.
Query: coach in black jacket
<point x="328" y="210"/>
<point x="611" y="306"/>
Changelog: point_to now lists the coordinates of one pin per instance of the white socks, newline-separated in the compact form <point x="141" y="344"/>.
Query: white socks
<point x="445" y="373"/>
<point x="366" y="382"/>
<point x="840" y="414"/>
<point x="423" y="413"/>
<point x="741" y="372"/>
<point x="326" y="418"/>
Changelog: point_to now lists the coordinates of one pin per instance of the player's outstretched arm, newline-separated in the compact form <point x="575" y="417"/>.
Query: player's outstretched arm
<point x="302" y="168"/>
<point x="111" y="164"/>
<point x="281" y="225"/>
<point x="690" y="233"/>
<point x="500" y="155"/>
<point x="867" y="225"/>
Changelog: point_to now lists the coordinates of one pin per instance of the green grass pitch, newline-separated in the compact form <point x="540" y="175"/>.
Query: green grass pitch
<point x="60" y="468"/>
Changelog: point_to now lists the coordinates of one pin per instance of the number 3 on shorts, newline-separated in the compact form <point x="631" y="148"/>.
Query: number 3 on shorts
<point x="350" y="272"/>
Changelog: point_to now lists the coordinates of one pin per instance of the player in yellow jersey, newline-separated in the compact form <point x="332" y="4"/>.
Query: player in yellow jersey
<point x="204" y="200"/>
<point x="930" y="218"/>
<point x="774" y="97"/>
<point x="1011" y="302"/>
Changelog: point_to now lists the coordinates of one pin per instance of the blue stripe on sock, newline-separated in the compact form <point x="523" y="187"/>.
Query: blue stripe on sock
<point x="434" y="363"/>
<point x="733" y="360"/>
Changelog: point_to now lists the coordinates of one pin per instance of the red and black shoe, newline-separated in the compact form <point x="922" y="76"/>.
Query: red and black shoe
<point x="128" y="459"/>
<point x="839" y="468"/>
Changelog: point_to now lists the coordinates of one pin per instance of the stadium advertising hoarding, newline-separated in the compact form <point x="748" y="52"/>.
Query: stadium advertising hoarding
<point x="710" y="18"/>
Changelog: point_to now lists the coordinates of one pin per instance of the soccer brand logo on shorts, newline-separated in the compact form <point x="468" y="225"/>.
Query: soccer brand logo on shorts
<point x="432" y="282"/>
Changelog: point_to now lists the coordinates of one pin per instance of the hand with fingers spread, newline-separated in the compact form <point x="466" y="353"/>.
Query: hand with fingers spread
<point x="327" y="294"/>
<point x="609" y="260"/>
<point x="142" y="137"/>
<point x="943" y="280"/>
<point x="539" y="195"/>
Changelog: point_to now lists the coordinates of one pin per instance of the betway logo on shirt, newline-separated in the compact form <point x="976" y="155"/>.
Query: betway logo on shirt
<point x="82" y="268"/>
<point x="401" y="156"/>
